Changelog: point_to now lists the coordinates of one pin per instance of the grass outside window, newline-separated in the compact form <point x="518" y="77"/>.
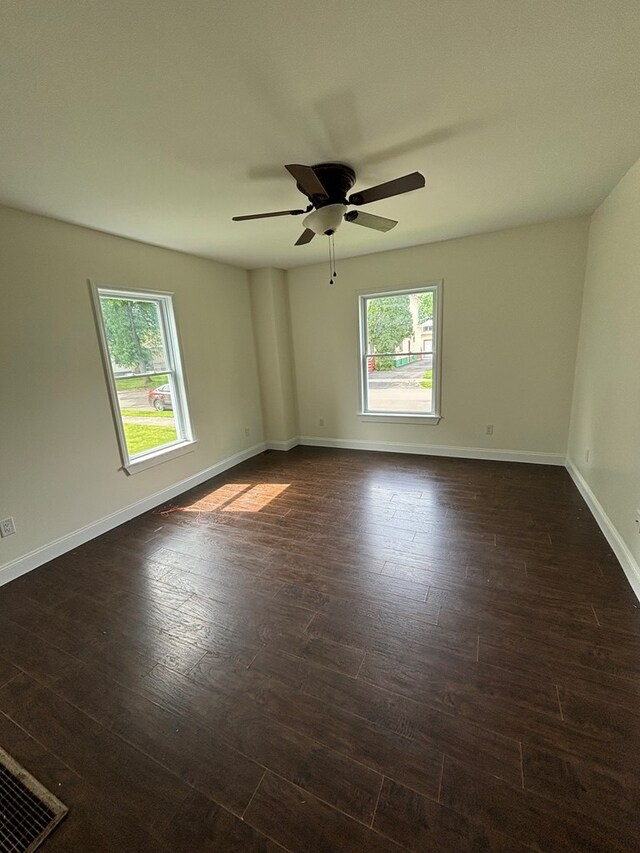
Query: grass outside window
<point x="143" y="437"/>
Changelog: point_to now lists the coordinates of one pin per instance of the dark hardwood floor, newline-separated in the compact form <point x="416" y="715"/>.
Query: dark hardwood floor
<point x="329" y="650"/>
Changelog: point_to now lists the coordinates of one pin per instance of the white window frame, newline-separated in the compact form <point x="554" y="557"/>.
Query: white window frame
<point x="435" y="415"/>
<point x="169" y="330"/>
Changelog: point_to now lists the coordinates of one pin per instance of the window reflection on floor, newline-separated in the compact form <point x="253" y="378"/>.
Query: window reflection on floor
<point x="257" y="498"/>
<point x="238" y="497"/>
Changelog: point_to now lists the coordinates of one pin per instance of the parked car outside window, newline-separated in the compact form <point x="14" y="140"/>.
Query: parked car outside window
<point x="160" y="398"/>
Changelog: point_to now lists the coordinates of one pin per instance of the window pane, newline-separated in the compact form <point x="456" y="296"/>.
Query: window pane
<point x="400" y="353"/>
<point x="134" y="335"/>
<point x="146" y="409"/>
<point x="401" y="383"/>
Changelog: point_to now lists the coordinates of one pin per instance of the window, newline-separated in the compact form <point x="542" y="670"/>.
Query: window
<point x="400" y="354"/>
<point x="142" y="360"/>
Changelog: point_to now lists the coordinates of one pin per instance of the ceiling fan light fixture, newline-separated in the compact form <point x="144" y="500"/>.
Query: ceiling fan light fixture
<point x="325" y="220"/>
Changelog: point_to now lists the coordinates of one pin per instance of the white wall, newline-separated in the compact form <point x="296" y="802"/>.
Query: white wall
<point x="272" y="330"/>
<point x="606" y="408"/>
<point x="59" y="459"/>
<point x="511" y="308"/>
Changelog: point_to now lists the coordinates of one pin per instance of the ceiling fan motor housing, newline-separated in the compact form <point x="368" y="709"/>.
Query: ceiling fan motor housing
<point x="337" y="179"/>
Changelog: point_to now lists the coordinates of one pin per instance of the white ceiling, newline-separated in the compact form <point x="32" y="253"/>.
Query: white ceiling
<point x="161" y="119"/>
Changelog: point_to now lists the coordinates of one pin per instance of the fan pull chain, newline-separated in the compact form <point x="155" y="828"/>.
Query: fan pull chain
<point x="332" y="259"/>
<point x="333" y="246"/>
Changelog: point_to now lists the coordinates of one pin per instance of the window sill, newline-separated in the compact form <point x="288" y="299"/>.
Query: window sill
<point x="382" y="418"/>
<point x="149" y="460"/>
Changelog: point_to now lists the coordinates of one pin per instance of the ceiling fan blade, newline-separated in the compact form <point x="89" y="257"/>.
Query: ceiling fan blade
<point x="266" y="215"/>
<point x="405" y="184"/>
<point x="306" y="237"/>
<point x="370" y="221"/>
<point x="307" y="179"/>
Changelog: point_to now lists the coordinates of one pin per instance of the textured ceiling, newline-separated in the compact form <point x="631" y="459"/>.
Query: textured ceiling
<point x="160" y="120"/>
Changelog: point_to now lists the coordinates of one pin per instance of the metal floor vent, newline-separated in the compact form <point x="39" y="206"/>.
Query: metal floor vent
<point x="28" y="812"/>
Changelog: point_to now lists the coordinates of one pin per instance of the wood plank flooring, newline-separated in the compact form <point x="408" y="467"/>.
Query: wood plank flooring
<point x="329" y="650"/>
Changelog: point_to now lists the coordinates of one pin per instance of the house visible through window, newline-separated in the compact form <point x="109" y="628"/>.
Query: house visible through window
<point x="400" y="352"/>
<point x="142" y="356"/>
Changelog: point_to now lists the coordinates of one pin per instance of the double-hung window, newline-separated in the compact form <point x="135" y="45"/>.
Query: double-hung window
<point x="400" y="354"/>
<point x="137" y="330"/>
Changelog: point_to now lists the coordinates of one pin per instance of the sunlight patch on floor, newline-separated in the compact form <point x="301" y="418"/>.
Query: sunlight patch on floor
<point x="218" y="498"/>
<point x="238" y="497"/>
<point x="256" y="498"/>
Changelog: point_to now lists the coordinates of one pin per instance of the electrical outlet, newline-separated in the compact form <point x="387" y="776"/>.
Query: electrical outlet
<point x="247" y="432"/>
<point x="587" y="455"/>
<point x="638" y="520"/>
<point x="321" y="421"/>
<point x="489" y="429"/>
<point x="7" y="527"/>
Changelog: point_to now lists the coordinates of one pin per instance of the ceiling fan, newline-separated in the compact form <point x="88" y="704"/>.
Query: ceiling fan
<point x="326" y="186"/>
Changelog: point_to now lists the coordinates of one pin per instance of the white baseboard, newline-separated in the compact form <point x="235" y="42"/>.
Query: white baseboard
<point x="283" y="445"/>
<point x="54" y="549"/>
<point x="438" y="450"/>
<point x="611" y="533"/>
